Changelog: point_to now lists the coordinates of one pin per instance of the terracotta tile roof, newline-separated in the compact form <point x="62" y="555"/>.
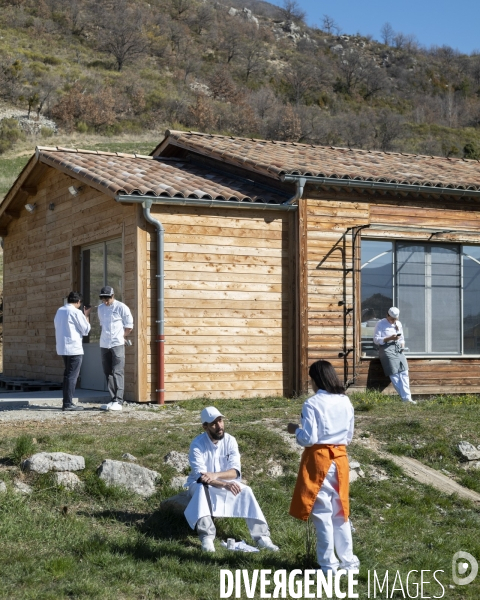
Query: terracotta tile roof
<point x="281" y="158"/>
<point x="136" y="174"/>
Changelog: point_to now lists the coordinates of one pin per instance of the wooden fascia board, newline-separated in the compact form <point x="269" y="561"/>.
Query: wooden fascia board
<point x="17" y="186"/>
<point x="86" y="180"/>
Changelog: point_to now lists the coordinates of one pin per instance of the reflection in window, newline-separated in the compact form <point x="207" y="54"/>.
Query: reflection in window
<point x="376" y="288"/>
<point x="471" y="302"/>
<point x="436" y="286"/>
<point x="102" y="264"/>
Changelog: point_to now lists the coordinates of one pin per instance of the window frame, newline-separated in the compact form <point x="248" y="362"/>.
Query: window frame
<point x="394" y="241"/>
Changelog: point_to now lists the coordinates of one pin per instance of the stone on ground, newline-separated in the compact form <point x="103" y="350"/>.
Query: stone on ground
<point x="178" y="460"/>
<point x="469" y="451"/>
<point x="134" y="478"/>
<point x="21" y="488"/>
<point x="178" y="482"/>
<point x="68" y="480"/>
<point x="43" y="462"/>
<point x="129" y="457"/>
<point x="3" y="487"/>
<point x="177" y="503"/>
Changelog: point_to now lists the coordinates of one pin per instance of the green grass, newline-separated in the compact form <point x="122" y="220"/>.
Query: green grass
<point x="104" y="543"/>
<point x="10" y="169"/>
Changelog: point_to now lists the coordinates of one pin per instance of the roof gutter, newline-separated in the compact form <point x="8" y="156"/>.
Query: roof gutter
<point x="169" y="200"/>
<point x="380" y="186"/>
<point x="300" y="181"/>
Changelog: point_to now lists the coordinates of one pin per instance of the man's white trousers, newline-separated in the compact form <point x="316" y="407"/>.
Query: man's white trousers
<point x="401" y="383"/>
<point x="334" y="534"/>
<point x="224" y="504"/>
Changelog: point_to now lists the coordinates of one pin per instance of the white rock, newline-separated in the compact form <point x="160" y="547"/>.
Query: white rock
<point x="129" y="457"/>
<point x="43" y="462"/>
<point x="3" y="487"/>
<point x="128" y="476"/>
<point x="178" y="482"/>
<point x="275" y="470"/>
<point x="354" y="464"/>
<point x="21" y="488"/>
<point x="232" y="11"/>
<point x="178" y="460"/>
<point x="352" y="476"/>
<point x="469" y="451"/>
<point x="68" y="480"/>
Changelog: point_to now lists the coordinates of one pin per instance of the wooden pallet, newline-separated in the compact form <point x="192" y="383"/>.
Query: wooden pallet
<point x="23" y="384"/>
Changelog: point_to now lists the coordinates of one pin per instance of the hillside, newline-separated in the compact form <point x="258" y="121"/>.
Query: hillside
<point x="245" y="68"/>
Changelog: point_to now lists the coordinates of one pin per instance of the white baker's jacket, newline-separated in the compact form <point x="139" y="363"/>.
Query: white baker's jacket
<point x="326" y="419"/>
<point x="114" y="319"/>
<point x="207" y="457"/>
<point x="385" y="329"/>
<point x="70" y="326"/>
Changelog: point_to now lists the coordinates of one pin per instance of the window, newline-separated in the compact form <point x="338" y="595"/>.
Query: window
<point x="101" y="265"/>
<point x="435" y="286"/>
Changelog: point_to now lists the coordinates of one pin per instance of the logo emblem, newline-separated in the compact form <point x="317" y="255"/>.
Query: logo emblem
<point x="461" y="562"/>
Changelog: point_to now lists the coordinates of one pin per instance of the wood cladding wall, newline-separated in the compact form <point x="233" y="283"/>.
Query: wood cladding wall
<point x="41" y="269"/>
<point x="330" y="252"/>
<point x="229" y="302"/>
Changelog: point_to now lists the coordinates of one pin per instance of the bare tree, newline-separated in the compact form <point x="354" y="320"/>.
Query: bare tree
<point x="252" y="54"/>
<point x="329" y="25"/>
<point x="388" y="127"/>
<point x="123" y="36"/>
<point x="262" y="101"/>
<point x="231" y="43"/>
<point x="301" y="78"/>
<point x="292" y="11"/>
<point x="180" y="7"/>
<point x="351" y="69"/>
<point x="387" y="34"/>
<point x="374" y="80"/>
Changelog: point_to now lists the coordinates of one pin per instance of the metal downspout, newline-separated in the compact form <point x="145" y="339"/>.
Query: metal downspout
<point x="300" y="181"/>
<point x="160" y="391"/>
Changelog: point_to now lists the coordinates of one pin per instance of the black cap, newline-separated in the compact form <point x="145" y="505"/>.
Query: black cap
<point x="106" y="292"/>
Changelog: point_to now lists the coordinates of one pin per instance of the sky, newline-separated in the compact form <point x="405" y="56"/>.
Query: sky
<point x="452" y="23"/>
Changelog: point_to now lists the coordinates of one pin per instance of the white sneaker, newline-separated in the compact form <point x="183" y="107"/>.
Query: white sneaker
<point x="208" y="545"/>
<point x="410" y="401"/>
<point x="266" y="542"/>
<point x="111" y="406"/>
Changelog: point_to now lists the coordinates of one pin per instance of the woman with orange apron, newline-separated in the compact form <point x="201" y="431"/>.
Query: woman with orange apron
<point x="322" y="487"/>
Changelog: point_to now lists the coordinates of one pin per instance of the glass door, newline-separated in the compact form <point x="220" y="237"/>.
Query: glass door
<point x="101" y="264"/>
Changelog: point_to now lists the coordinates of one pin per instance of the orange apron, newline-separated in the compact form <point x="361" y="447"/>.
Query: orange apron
<point x="316" y="460"/>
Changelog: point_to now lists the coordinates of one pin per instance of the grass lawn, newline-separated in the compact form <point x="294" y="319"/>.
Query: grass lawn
<point x="104" y="543"/>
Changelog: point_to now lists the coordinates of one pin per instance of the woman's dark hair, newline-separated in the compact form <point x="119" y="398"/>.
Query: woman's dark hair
<point x="74" y="297"/>
<point x="325" y="377"/>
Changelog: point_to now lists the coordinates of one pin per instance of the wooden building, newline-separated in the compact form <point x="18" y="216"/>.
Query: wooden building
<point x="275" y="254"/>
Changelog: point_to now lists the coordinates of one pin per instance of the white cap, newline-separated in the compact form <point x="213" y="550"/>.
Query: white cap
<point x="394" y="312"/>
<point x="209" y="414"/>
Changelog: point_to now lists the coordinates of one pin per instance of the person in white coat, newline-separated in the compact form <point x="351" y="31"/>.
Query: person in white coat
<point x="322" y="488"/>
<point x="215" y="486"/>
<point x="388" y="336"/>
<point x="71" y="325"/>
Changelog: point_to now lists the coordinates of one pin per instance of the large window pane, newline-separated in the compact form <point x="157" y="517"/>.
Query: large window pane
<point x="471" y="299"/>
<point x="411" y="279"/>
<point x="376" y="288"/>
<point x="114" y="268"/>
<point x="445" y="299"/>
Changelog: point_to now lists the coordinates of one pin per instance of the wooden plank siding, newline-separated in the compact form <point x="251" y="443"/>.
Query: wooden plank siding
<point x="229" y="303"/>
<point x="41" y="266"/>
<point x="329" y="216"/>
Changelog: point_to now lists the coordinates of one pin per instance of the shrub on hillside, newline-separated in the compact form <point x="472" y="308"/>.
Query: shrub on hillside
<point x="10" y="133"/>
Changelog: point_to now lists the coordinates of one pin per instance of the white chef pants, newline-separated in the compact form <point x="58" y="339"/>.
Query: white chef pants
<point x="401" y="383"/>
<point x="334" y="534"/>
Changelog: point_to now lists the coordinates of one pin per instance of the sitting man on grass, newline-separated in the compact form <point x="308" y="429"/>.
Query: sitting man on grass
<point x="215" y="487"/>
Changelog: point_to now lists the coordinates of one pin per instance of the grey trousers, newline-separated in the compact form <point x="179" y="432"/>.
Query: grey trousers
<point x="113" y="363"/>
<point x="206" y="528"/>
